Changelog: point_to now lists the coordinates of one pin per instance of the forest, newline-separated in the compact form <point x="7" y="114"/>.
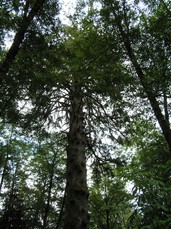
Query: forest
<point x="85" y="108"/>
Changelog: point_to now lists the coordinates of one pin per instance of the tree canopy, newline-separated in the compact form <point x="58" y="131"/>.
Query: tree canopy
<point x="85" y="115"/>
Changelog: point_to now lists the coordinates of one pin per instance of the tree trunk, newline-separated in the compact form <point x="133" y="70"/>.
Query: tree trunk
<point x="4" y="171"/>
<point x="164" y="125"/>
<point x="10" y="57"/>
<point x="76" y="215"/>
<point x="47" y="207"/>
<point x="61" y="211"/>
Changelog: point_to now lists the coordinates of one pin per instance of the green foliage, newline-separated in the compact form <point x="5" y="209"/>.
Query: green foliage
<point x="32" y="179"/>
<point x="94" y="52"/>
<point x="109" y="206"/>
<point x="149" y="171"/>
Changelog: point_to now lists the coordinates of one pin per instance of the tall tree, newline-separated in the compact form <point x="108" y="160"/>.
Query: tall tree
<point x="70" y="93"/>
<point x="141" y="44"/>
<point x="20" y="18"/>
<point x="77" y="192"/>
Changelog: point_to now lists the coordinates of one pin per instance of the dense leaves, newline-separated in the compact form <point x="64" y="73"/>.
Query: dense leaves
<point x="90" y="98"/>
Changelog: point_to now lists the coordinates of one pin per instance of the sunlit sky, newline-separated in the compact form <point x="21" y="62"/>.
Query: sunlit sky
<point x="67" y="9"/>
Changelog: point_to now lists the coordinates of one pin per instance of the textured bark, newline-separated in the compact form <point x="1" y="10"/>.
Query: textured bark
<point x="76" y="193"/>
<point x="10" y="57"/>
<point x="164" y="125"/>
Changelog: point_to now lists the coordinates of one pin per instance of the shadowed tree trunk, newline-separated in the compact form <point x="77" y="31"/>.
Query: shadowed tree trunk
<point x="125" y="36"/>
<point x="26" y="21"/>
<point x="76" y="193"/>
<point x="50" y="185"/>
<point x="61" y="211"/>
<point x="4" y="170"/>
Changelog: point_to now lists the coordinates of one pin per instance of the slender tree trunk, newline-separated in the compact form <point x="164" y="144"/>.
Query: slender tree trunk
<point x="147" y="87"/>
<point x="10" y="57"/>
<point x="47" y="208"/>
<point x="38" y="212"/>
<point x="166" y="111"/>
<point x="107" y="218"/>
<point x="10" y="208"/>
<point x="61" y="211"/>
<point x="106" y="200"/>
<point x="6" y="161"/>
<point x="4" y="171"/>
<point x="163" y="122"/>
<point x="76" y="193"/>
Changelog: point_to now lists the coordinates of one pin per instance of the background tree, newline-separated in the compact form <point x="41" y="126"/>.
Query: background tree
<point x="110" y="203"/>
<point x="20" y="19"/>
<point x="148" y="173"/>
<point x="136" y="38"/>
<point x="33" y="185"/>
